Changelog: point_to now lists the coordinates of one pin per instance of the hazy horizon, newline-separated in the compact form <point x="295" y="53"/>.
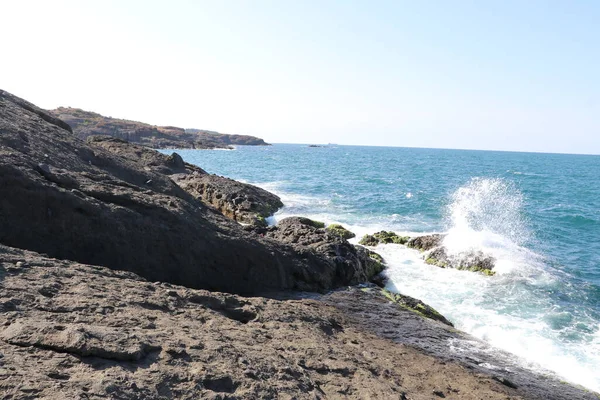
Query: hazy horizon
<point x="454" y="75"/>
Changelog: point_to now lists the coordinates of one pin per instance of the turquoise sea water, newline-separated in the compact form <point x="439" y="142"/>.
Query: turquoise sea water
<point x="538" y="214"/>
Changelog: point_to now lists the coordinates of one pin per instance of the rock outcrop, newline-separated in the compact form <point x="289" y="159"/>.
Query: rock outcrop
<point x="241" y="202"/>
<point x="340" y="260"/>
<point x="86" y="123"/>
<point x="77" y="201"/>
<point x="71" y="330"/>
<point x="435" y="253"/>
<point x="238" y="201"/>
<point x="438" y="255"/>
<point x="383" y="237"/>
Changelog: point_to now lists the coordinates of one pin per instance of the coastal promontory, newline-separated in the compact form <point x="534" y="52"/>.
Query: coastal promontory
<point x="87" y="123"/>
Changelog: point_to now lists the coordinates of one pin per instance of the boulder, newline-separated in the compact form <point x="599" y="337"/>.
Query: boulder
<point x="241" y="202"/>
<point x="436" y="254"/>
<point x="425" y="242"/>
<point x="383" y="237"/>
<point x="339" y="230"/>
<point x="340" y="261"/>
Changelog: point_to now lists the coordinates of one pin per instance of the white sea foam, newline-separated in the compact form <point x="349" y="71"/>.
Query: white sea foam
<point x="507" y="310"/>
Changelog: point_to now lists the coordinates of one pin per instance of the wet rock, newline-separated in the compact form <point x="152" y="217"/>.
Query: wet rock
<point x="475" y="261"/>
<point x="383" y="237"/>
<point x="426" y="242"/>
<point x="416" y="305"/>
<point x="436" y="254"/>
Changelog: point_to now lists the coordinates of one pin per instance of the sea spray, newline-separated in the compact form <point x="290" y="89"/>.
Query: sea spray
<point x="542" y="224"/>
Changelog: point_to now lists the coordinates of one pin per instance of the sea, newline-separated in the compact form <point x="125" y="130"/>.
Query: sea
<point x="537" y="214"/>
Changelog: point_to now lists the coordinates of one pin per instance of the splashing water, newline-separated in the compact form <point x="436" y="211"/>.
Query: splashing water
<point x="542" y="224"/>
<point x="486" y="215"/>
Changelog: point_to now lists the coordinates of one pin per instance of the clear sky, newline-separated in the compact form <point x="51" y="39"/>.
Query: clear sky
<point x="503" y="75"/>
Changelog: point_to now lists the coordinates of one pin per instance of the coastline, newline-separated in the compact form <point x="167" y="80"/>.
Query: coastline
<point x="292" y="325"/>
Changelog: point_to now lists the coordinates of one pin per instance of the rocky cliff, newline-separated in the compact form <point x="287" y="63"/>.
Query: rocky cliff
<point x="86" y="123"/>
<point x="114" y="206"/>
<point x="147" y="328"/>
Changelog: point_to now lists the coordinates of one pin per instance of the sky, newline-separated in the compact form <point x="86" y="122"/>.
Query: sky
<point x="491" y="75"/>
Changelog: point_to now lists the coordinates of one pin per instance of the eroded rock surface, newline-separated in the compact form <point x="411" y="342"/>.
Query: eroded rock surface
<point x="340" y="260"/>
<point x="69" y="330"/>
<point x="241" y="202"/>
<point x="80" y="201"/>
<point x="238" y="201"/>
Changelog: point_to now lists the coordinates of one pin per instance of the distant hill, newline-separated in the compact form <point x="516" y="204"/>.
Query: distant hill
<point x="87" y="123"/>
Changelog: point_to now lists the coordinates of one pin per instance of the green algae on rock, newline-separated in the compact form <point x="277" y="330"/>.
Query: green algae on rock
<point x="340" y="231"/>
<point x="416" y="305"/>
<point x="384" y="237"/>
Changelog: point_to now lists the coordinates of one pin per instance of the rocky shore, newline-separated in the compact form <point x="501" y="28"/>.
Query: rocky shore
<point x="87" y="123"/>
<point x="126" y="274"/>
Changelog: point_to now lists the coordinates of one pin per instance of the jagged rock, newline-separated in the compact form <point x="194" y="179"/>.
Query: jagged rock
<point x="241" y="202"/>
<point x="383" y="237"/>
<point x="426" y="242"/>
<point x="86" y="124"/>
<point x="475" y="261"/>
<point x="91" y="205"/>
<point x="339" y="230"/>
<point x="238" y="201"/>
<point x="346" y="262"/>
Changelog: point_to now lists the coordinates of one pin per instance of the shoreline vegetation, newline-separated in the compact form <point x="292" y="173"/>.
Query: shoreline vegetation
<point x="128" y="273"/>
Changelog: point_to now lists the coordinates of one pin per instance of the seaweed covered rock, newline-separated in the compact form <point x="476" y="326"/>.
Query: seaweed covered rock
<point x="339" y="260"/>
<point x="416" y="305"/>
<point x="475" y="261"/>
<point x="339" y="230"/>
<point x="438" y="255"/>
<point x="383" y="237"/>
